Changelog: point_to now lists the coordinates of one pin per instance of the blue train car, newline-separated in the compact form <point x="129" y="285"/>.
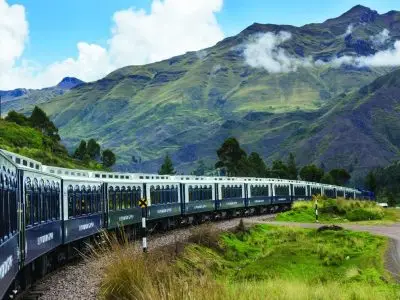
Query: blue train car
<point x="83" y="206"/>
<point x="41" y="214"/>
<point x="198" y="195"/>
<point x="281" y="193"/>
<point x="9" y="233"/>
<point x="259" y="193"/>
<point x="231" y="195"/>
<point x="163" y="199"/>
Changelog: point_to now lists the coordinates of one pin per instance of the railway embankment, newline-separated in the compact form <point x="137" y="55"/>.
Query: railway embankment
<point x="289" y="262"/>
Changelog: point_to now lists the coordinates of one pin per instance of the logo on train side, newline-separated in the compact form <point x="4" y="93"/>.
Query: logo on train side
<point x="45" y="238"/>
<point x="6" y="266"/>
<point x="126" y="218"/>
<point x="86" y="226"/>
<point x="164" y="211"/>
<point x="200" y="206"/>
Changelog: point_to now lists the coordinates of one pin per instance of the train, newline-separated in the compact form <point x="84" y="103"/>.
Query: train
<point x="46" y="212"/>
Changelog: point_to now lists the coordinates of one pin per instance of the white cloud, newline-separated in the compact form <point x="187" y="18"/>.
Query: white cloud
<point x="349" y="30"/>
<point x="385" y="58"/>
<point x="265" y="52"/>
<point x="172" y="27"/>
<point x="380" y="38"/>
<point x="13" y="33"/>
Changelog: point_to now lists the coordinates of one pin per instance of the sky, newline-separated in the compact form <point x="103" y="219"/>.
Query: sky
<point x="43" y="41"/>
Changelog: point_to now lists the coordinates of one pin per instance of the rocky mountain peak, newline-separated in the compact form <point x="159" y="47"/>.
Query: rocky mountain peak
<point x="69" y="83"/>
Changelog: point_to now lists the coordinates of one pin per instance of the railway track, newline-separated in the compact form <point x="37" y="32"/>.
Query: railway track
<point x="71" y="281"/>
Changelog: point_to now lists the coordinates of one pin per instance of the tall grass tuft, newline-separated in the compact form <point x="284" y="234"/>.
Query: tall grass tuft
<point x="333" y="210"/>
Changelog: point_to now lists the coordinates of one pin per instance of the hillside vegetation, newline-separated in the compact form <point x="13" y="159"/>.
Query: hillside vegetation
<point x="339" y="210"/>
<point x="263" y="262"/>
<point x="34" y="143"/>
<point x="187" y="105"/>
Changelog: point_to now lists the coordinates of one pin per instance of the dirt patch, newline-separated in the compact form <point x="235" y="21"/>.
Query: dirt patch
<point x="392" y="260"/>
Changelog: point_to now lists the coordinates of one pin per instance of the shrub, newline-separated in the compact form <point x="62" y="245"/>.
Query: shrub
<point x="360" y="214"/>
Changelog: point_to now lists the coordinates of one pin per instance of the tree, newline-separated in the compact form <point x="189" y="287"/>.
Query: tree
<point x="108" y="158"/>
<point x="327" y="179"/>
<point x="391" y="200"/>
<point x="81" y="151"/>
<point x="41" y="121"/>
<point x="93" y="149"/>
<point x="279" y="170"/>
<point x="200" y="168"/>
<point x="340" y="176"/>
<point x="311" y="173"/>
<point x="370" y="182"/>
<point x="167" y="168"/>
<point x="17" y="118"/>
<point x="257" y="167"/>
<point x="229" y="155"/>
<point x="292" y="167"/>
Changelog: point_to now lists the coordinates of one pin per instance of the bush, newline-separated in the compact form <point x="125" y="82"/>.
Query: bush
<point x="360" y="214"/>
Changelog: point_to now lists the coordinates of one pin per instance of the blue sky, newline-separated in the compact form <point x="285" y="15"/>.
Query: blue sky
<point x="55" y="27"/>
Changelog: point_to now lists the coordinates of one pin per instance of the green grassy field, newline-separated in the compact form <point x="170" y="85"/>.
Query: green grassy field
<point x="263" y="262"/>
<point x="341" y="210"/>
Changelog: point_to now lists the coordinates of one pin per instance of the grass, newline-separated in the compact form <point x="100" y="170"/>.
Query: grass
<point x="32" y="143"/>
<point x="340" y="210"/>
<point x="261" y="262"/>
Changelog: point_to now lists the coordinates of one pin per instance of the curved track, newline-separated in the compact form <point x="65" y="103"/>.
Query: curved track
<point x="73" y="282"/>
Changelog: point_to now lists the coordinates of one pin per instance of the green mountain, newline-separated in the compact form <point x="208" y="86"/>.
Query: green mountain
<point x="187" y="105"/>
<point x="21" y="98"/>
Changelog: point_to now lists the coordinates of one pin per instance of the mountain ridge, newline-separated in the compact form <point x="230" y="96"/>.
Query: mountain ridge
<point x="188" y="104"/>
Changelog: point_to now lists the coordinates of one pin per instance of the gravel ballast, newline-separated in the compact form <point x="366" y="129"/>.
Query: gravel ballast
<point x="82" y="280"/>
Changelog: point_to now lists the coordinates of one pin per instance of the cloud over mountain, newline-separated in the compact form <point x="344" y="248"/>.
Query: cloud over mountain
<point x="265" y="51"/>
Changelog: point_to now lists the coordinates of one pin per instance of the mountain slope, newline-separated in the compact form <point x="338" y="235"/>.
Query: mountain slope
<point x="188" y="104"/>
<point x="20" y="99"/>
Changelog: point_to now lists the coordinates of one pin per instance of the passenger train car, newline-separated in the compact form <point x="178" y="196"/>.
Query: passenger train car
<point x="47" y="212"/>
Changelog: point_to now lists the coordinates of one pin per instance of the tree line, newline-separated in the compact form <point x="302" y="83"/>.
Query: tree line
<point x="40" y="121"/>
<point x="385" y="183"/>
<point x="234" y="161"/>
<point x="92" y="150"/>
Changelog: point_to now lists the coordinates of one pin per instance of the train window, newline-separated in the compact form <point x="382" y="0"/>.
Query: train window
<point x="282" y="190"/>
<point x="200" y="193"/>
<point x="136" y="195"/>
<point x="97" y="175"/>
<point x="110" y="176"/>
<point x="126" y="197"/>
<point x="71" y="206"/>
<point x="140" y="177"/>
<point x="24" y="162"/>
<point x="78" y="202"/>
<point x="147" y="177"/>
<point x="31" y="165"/>
<point x="111" y="199"/>
<point x="118" y="199"/>
<point x="259" y="191"/>
<point x="299" y="190"/>
<point x="231" y="191"/>
<point x="17" y="160"/>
